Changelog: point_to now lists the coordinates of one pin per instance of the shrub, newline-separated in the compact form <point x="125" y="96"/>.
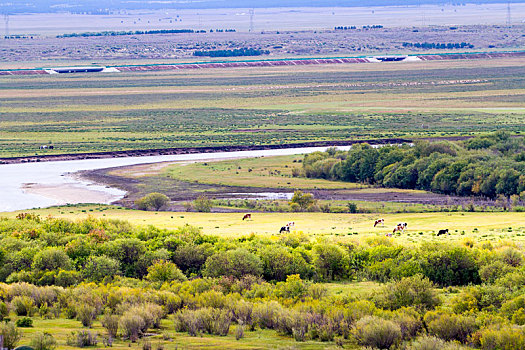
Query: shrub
<point x="98" y="268"/>
<point x="208" y="320"/>
<point x="239" y="331"/>
<point x="131" y="326"/>
<point x="86" y="314"/>
<point x="330" y="261"/>
<point x="416" y="291"/>
<point x="11" y="335"/>
<point x="24" y="322"/>
<point x="432" y="343"/>
<point x="409" y="321"/>
<point x="450" y="326"/>
<point x="43" y="341"/>
<point x="191" y="257"/>
<point x="82" y="339"/>
<point x="23" y="306"/>
<point x="4" y="311"/>
<point x="491" y="272"/>
<point x="449" y="267"/>
<point x="67" y="278"/>
<point x="376" y="332"/>
<point x="512" y="257"/>
<point x="51" y="259"/>
<point x="110" y="322"/>
<point x="202" y="204"/>
<point x="236" y="263"/>
<point x="506" y="338"/>
<point x="303" y="200"/>
<point x="164" y="271"/>
<point x="153" y="200"/>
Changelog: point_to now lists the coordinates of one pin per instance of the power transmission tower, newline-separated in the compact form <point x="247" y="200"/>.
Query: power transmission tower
<point x="508" y="14"/>
<point x="6" y="20"/>
<point x="252" y="11"/>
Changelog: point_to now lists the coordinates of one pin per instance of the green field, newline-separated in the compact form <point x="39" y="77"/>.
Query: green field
<point x="341" y="227"/>
<point x="81" y="113"/>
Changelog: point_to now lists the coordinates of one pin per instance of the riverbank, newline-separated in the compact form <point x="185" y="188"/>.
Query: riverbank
<point x="192" y="150"/>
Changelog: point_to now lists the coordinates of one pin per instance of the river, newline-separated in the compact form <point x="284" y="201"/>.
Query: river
<point x="44" y="184"/>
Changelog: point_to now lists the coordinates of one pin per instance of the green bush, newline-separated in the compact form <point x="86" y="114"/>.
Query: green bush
<point x="98" y="268"/>
<point x="164" y="271"/>
<point x="506" y="338"/>
<point x="235" y="263"/>
<point x="449" y="326"/>
<point x="11" y="334"/>
<point x="43" y="341"/>
<point x="23" y="306"/>
<point x="416" y="291"/>
<point x="377" y="332"/>
<point x="331" y="262"/>
<point x="432" y="343"/>
<point x="202" y="204"/>
<point x="110" y="323"/>
<point x="153" y="200"/>
<point x="82" y="339"/>
<point x="449" y="266"/>
<point x="24" y="322"/>
<point x="51" y="259"/>
<point x="4" y="311"/>
<point x="86" y="314"/>
<point x="131" y="326"/>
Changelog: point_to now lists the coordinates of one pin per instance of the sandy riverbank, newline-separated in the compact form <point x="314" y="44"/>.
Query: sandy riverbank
<point x="70" y="193"/>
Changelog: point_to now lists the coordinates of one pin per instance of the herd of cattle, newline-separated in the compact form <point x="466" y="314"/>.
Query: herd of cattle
<point x="398" y="228"/>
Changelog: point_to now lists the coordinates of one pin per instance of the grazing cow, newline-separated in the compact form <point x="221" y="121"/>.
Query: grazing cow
<point x="379" y="221"/>
<point x="400" y="227"/>
<point x="442" y="232"/>
<point x="284" y="229"/>
<point x="247" y="216"/>
<point x="291" y="224"/>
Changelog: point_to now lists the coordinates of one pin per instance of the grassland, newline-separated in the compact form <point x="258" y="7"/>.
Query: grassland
<point x="253" y="172"/>
<point x="340" y="227"/>
<point x="112" y="112"/>
<point x="260" y="339"/>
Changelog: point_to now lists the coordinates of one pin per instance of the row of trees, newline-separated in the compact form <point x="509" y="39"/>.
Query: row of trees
<point x="449" y="46"/>
<point x="487" y="166"/>
<point x="232" y="53"/>
<point x="131" y="32"/>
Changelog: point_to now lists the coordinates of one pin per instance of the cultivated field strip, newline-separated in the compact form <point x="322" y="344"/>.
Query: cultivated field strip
<point x="289" y="62"/>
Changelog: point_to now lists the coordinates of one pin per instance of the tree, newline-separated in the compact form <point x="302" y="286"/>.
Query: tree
<point x="331" y="261"/>
<point x="164" y="271"/>
<point x="99" y="267"/>
<point x="202" y="204"/>
<point x="235" y="263"/>
<point x="51" y="259"/>
<point x="153" y="200"/>
<point x="304" y="200"/>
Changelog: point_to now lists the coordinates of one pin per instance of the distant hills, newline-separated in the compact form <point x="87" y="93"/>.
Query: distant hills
<point x="108" y="6"/>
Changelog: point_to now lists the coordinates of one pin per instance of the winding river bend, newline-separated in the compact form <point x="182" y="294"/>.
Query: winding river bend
<point x="44" y="184"/>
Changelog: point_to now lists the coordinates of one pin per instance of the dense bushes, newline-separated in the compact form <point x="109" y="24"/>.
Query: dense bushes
<point x="488" y="165"/>
<point x="256" y="282"/>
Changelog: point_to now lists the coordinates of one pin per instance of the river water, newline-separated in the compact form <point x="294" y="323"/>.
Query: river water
<point x="44" y="184"/>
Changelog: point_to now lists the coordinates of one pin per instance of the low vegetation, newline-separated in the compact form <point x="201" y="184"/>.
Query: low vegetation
<point x="427" y="295"/>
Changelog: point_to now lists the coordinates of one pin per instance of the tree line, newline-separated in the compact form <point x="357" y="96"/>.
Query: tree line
<point x="130" y="32"/>
<point x="489" y="165"/>
<point x="232" y="53"/>
<point x="448" y="46"/>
